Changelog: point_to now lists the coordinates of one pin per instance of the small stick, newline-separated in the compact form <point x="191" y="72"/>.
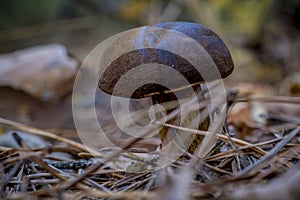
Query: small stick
<point x="272" y="153"/>
<point x="219" y="136"/>
<point x="47" y="134"/>
<point x="273" y="99"/>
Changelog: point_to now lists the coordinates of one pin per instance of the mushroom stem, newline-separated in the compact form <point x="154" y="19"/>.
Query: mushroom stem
<point x="168" y="135"/>
<point x="165" y="132"/>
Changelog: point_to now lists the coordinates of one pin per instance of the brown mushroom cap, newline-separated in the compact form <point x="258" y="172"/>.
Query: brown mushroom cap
<point x="213" y="45"/>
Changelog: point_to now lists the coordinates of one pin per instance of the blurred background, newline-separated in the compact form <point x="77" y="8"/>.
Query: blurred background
<point x="262" y="35"/>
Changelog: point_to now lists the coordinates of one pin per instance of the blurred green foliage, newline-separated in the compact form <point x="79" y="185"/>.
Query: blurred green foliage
<point x="255" y="30"/>
<point x="14" y="13"/>
<point x="240" y="15"/>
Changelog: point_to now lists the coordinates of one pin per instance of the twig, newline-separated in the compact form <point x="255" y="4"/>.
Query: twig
<point x="219" y="136"/>
<point x="273" y="99"/>
<point x="47" y="134"/>
<point x="272" y="153"/>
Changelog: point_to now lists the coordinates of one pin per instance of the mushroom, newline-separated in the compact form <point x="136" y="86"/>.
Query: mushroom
<point x="183" y="34"/>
